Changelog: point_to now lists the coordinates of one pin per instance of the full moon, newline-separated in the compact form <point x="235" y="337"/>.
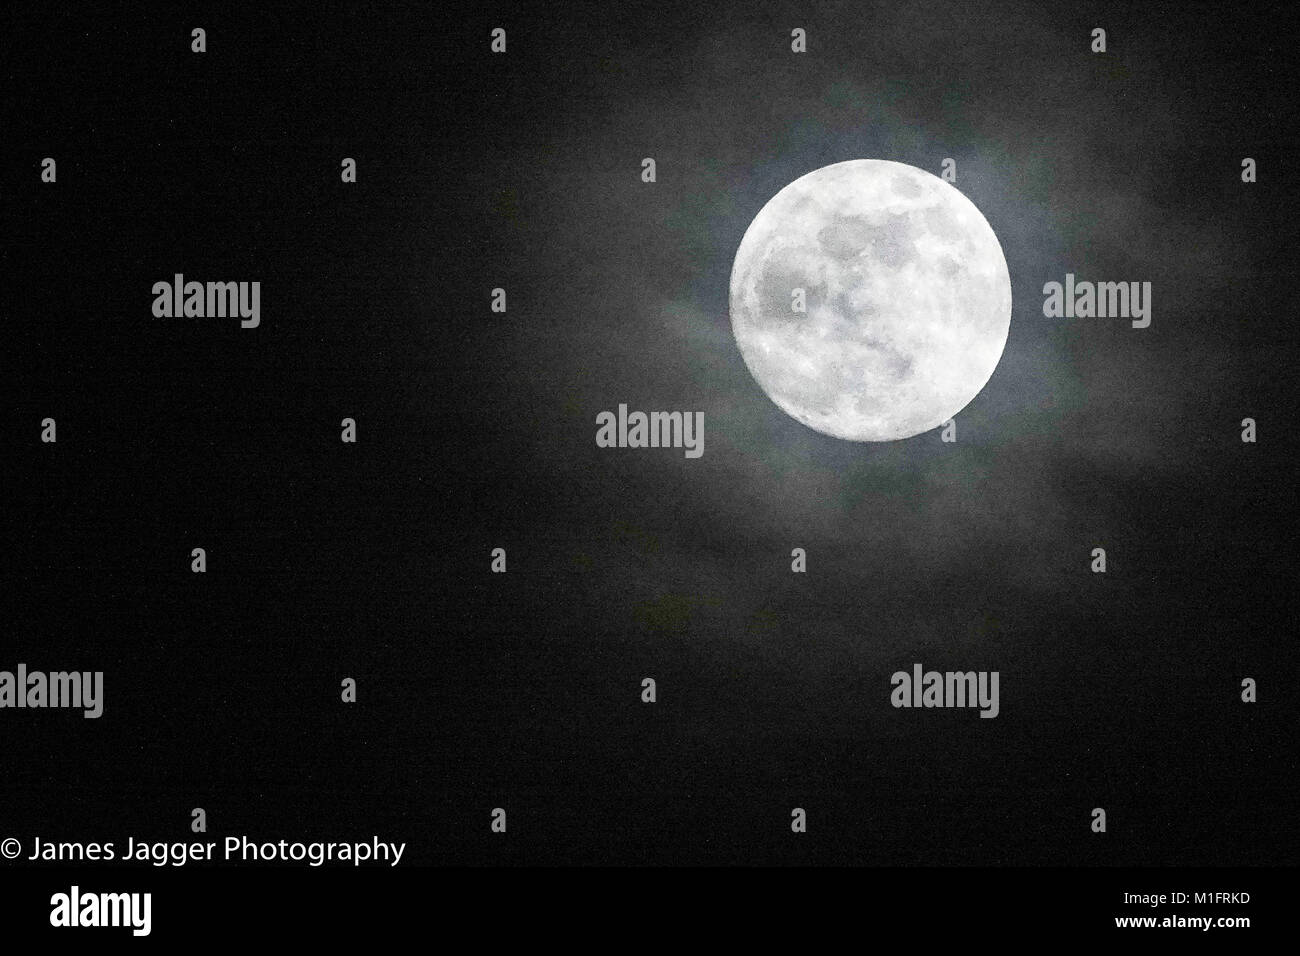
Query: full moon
<point x="905" y="297"/>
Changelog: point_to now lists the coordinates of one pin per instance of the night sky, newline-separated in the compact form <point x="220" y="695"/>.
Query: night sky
<point x="476" y="430"/>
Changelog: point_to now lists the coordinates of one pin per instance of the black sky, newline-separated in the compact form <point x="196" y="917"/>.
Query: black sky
<point x="477" y="431"/>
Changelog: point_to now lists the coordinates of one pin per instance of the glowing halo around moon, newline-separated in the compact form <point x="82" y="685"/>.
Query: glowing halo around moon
<point x="907" y="296"/>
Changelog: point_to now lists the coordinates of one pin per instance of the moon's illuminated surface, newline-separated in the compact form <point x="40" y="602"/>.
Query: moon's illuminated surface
<point x="907" y="294"/>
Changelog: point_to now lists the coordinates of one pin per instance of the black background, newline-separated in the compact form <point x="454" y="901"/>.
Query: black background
<point x="328" y="560"/>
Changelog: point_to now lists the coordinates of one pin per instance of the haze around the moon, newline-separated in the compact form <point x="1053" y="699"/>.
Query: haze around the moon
<point x="908" y="300"/>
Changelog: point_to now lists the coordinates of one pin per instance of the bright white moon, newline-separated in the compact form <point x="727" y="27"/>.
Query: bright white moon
<point x="907" y="299"/>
